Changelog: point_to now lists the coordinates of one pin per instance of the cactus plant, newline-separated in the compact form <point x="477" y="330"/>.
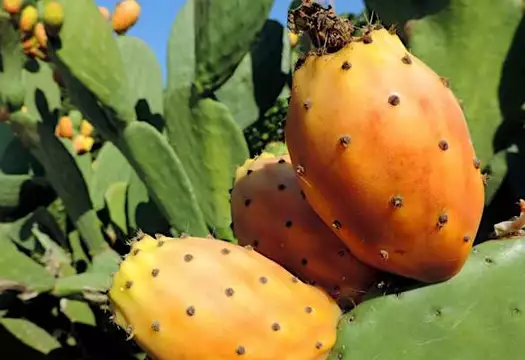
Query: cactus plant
<point x="427" y="322"/>
<point x="141" y="154"/>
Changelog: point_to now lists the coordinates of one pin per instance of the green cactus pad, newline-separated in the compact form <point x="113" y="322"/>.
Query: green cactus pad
<point x="12" y="58"/>
<point x="211" y="146"/>
<point x="18" y="271"/>
<point x="260" y="77"/>
<point x="163" y="173"/>
<point x="144" y="78"/>
<point x="224" y="32"/>
<point x="87" y="53"/>
<point x="478" y="314"/>
<point x="21" y="338"/>
<point x="64" y="175"/>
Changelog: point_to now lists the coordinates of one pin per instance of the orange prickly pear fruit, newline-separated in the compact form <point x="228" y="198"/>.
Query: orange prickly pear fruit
<point x="64" y="128"/>
<point x="126" y="14"/>
<point x="28" y="18"/>
<point x="40" y="34"/>
<point x="53" y="17"/>
<point x="86" y="128"/>
<point x="105" y="12"/>
<point x="390" y="167"/>
<point x="169" y="292"/>
<point x="29" y="42"/>
<point x="12" y="7"/>
<point x="269" y="212"/>
<point x="83" y="144"/>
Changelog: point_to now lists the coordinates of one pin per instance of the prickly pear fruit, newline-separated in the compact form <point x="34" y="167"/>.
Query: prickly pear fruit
<point x="293" y="38"/>
<point x="83" y="144"/>
<point x="105" y="12"/>
<point x="126" y="14"/>
<point x="64" y="127"/>
<point x="28" y="18"/>
<point x="12" y="7"/>
<point x="383" y="153"/>
<point x="270" y="213"/>
<point x="86" y="128"/>
<point x="40" y="34"/>
<point x="170" y="292"/>
<point x="53" y="17"/>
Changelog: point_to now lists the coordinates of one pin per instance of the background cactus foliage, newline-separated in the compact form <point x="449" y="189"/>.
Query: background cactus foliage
<point x="94" y="149"/>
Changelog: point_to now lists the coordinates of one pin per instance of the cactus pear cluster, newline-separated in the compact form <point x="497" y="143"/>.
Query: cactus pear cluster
<point x="270" y="213"/>
<point x="80" y="132"/>
<point x="382" y="150"/>
<point x="35" y="26"/>
<point x="169" y="292"/>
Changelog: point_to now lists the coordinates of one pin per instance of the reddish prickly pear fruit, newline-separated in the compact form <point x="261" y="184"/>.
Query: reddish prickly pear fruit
<point x="383" y="153"/>
<point x="12" y="7"/>
<point x="53" y="17"/>
<point x="126" y="14"/>
<point x="242" y="305"/>
<point x="28" y="18"/>
<point x="270" y="213"/>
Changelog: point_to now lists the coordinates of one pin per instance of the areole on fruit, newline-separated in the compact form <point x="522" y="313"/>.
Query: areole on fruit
<point x="269" y="212"/>
<point x="200" y="298"/>
<point x="382" y="151"/>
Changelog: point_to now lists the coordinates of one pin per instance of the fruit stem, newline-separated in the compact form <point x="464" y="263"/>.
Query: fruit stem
<point x="328" y="32"/>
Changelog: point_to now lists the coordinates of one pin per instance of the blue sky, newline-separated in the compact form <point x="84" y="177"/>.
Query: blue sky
<point x="158" y="15"/>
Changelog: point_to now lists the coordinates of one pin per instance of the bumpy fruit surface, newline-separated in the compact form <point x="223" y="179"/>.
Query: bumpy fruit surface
<point x="383" y="152"/>
<point x="28" y="18"/>
<point x="269" y="212"/>
<point x="12" y="6"/>
<point x="126" y="14"/>
<point x="203" y="299"/>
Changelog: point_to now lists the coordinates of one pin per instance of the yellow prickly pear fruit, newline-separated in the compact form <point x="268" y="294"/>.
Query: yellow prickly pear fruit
<point x="28" y="18"/>
<point x="53" y="17"/>
<point x="64" y="128"/>
<point x="83" y="144"/>
<point x="86" y="128"/>
<point x="40" y="34"/>
<point x="126" y="14"/>
<point x="12" y="7"/>
<point x="105" y="12"/>
<point x="241" y="304"/>
<point x="293" y="38"/>
<point x="269" y="212"/>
